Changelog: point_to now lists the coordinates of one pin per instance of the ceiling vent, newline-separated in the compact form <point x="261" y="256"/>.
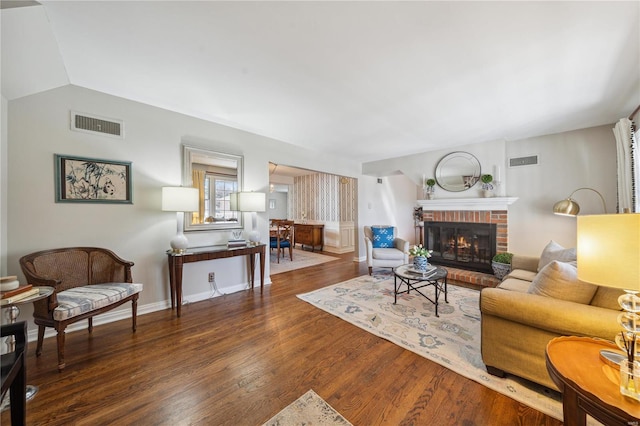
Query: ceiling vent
<point x="523" y="161"/>
<point x="93" y="124"/>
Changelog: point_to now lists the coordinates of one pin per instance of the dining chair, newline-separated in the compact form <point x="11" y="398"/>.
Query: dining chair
<point x="283" y="238"/>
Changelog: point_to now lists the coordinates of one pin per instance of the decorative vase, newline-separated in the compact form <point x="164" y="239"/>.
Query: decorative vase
<point x="487" y="193"/>
<point x="420" y="263"/>
<point x="430" y="195"/>
<point x="500" y="269"/>
<point x="630" y="380"/>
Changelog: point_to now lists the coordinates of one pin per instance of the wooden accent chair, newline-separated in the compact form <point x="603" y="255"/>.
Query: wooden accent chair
<point x="283" y="237"/>
<point x="87" y="281"/>
<point x="14" y="372"/>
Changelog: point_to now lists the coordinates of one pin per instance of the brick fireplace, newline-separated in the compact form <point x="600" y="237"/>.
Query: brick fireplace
<point x="474" y="211"/>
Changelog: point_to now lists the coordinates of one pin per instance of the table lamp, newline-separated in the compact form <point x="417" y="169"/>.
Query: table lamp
<point x="180" y="199"/>
<point x="250" y="202"/>
<point x="609" y="255"/>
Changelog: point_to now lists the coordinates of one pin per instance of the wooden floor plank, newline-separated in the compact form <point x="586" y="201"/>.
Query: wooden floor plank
<point x="239" y="359"/>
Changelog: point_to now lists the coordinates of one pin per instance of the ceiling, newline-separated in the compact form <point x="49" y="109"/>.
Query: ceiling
<point x="364" y="80"/>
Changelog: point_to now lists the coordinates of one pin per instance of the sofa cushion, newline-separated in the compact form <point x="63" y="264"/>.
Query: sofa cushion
<point x="559" y="280"/>
<point x="554" y="251"/>
<point x="382" y="236"/>
<point x="514" y="284"/>
<point x="607" y="297"/>
<point x="78" y="300"/>
<point x="521" y="274"/>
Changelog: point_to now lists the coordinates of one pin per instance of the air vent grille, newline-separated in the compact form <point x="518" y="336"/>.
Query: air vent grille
<point x="523" y="161"/>
<point x="94" y="124"/>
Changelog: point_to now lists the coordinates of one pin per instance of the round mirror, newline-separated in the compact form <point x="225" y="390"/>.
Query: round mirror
<point x="458" y="171"/>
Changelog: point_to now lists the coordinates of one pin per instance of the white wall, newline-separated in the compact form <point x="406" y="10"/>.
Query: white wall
<point x="567" y="161"/>
<point x="39" y="128"/>
<point x="280" y="212"/>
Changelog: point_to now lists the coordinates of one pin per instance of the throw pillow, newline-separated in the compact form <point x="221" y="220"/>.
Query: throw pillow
<point x="559" y="280"/>
<point x="382" y="236"/>
<point x="554" y="251"/>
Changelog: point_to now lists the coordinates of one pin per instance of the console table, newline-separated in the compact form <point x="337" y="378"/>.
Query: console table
<point x="200" y="254"/>
<point x="309" y="234"/>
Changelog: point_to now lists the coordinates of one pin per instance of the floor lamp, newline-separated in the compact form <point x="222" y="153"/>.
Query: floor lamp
<point x="569" y="206"/>
<point x="180" y="199"/>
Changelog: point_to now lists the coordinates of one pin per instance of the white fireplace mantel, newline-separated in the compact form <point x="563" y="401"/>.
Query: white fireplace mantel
<point x="489" y="203"/>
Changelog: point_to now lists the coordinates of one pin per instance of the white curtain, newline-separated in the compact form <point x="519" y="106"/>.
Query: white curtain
<point x="628" y="166"/>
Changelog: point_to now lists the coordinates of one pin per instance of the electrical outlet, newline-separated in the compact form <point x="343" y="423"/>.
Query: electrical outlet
<point x="212" y="277"/>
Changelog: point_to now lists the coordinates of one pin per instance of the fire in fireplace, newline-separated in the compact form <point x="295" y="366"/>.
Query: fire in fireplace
<point x="462" y="245"/>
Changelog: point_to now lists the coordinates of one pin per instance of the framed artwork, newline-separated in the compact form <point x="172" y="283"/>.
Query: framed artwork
<point x="88" y="180"/>
<point x="272" y="204"/>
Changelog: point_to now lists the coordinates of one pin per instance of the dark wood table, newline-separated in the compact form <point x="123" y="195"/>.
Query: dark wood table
<point x="200" y="254"/>
<point x="589" y="385"/>
<point x="309" y="234"/>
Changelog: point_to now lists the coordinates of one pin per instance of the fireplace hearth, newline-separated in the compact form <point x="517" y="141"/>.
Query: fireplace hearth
<point x="461" y="245"/>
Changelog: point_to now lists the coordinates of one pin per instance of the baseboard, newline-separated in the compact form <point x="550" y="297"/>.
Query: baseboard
<point x="121" y="314"/>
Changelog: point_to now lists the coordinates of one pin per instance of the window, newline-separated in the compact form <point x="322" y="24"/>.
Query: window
<point x="216" y="197"/>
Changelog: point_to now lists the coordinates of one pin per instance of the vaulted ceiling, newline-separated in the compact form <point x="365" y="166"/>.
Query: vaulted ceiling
<point x="367" y="80"/>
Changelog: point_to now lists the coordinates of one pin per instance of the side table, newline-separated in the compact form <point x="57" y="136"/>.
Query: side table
<point x="588" y="385"/>
<point x="12" y="312"/>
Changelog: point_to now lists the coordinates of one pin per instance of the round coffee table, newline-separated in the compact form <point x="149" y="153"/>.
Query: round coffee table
<point x="436" y="278"/>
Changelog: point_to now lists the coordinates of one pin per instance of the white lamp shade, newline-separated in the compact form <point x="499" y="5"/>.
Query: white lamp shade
<point x="609" y="250"/>
<point x="180" y="199"/>
<point x="249" y="201"/>
<point x="233" y="201"/>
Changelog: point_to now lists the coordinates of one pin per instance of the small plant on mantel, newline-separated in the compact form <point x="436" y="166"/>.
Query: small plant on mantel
<point x="486" y="182"/>
<point x="430" y="189"/>
<point x="487" y="187"/>
<point x="501" y="264"/>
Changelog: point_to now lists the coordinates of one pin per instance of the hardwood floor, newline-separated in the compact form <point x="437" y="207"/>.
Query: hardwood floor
<point x="240" y="358"/>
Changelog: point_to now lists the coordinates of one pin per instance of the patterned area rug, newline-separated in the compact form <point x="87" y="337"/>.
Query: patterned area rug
<point x="308" y="410"/>
<point x="452" y="340"/>
<point x="301" y="259"/>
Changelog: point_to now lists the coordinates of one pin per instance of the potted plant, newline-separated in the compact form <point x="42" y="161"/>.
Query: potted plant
<point x="487" y="187"/>
<point x="430" y="190"/>
<point x="501" y="264"/>
<point x="420" y="255"/>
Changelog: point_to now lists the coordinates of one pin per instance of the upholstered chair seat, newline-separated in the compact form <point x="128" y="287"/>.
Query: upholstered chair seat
<point x="384" y="248"/>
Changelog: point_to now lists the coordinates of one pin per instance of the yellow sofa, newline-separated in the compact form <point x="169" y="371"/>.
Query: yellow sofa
<point x="517" y="324"/>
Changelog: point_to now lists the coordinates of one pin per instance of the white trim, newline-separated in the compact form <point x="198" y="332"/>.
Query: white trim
<point x="490" y="203"/>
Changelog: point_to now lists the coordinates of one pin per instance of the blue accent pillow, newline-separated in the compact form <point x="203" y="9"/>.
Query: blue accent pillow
<point x="382" y="236"/>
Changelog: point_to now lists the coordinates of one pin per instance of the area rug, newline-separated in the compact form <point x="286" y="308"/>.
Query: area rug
<point x="309" y="410"/>
<point x="301" y="259"/>
<point x="451" y="340"/>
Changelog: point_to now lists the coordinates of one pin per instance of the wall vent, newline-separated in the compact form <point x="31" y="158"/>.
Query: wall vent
<point x="81" y="122"/>
<point x="523" y="161"/>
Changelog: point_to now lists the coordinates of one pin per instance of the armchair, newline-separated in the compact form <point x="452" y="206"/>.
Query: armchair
<point x="390" y="255"/>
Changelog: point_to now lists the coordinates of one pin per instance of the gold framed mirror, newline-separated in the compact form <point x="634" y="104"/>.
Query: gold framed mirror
<point x="216" y="175"/>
